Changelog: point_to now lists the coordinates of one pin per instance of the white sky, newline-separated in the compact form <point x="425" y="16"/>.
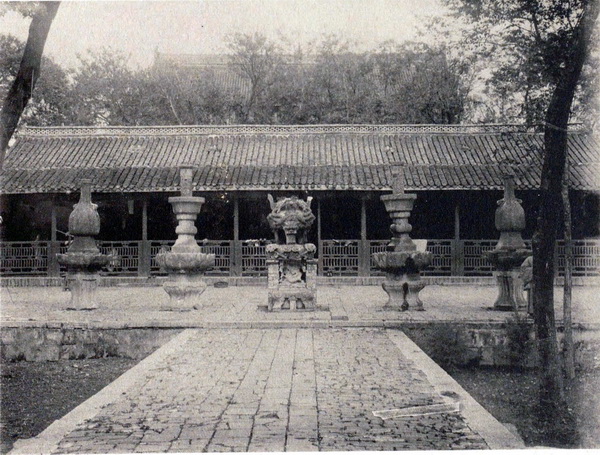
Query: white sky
<point x="139" y="28"/>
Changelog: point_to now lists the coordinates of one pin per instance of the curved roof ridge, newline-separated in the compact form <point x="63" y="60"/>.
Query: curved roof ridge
<point x="191" y="130"/>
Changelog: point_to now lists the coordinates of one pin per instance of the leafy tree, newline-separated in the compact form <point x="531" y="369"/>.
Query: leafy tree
<point x="542" y="46"/>
<point x="50" y="103"/>
<point x="190" y="96"/>
<point x="22" y="87"/>
<point x="343" y="83"/>
<point x="422" y="84"/>
<point x="258" y="60"/>
<point x="108" y="92"/>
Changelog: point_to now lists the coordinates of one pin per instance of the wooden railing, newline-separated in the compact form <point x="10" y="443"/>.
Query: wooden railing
<point x="248" y="258"/>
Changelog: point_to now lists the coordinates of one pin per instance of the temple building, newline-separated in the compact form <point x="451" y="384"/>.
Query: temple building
<point x="455" y="170"/>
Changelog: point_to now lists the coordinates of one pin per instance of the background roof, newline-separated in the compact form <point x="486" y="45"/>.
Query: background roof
<point x="272" y="157"/>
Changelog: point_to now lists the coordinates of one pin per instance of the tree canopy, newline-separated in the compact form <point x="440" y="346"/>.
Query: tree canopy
<point x="262" y="81"/>
<point x="21" y="88"/>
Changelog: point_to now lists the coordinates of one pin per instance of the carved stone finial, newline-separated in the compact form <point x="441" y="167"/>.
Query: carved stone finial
<point x="398" y="179"/>
<point x="86" y="191"/>
<point x="292" y="216"/>
<point x="186" y="174"/>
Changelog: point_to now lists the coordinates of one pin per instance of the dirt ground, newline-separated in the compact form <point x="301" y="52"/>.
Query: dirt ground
<point x="35" y="394"/>
<point x="510" y="395"/>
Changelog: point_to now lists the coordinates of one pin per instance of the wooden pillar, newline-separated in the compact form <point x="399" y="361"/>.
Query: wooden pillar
<point x="456" y="221"/>
<point x="319" y="240"/>
<point x="363" y="248"/>
<point x="145" y="258"/>
<point x="54" y="246"/>
<point x="236" y="258"/>
<point x="458" y="257"/>
<point x="145" y="218"/>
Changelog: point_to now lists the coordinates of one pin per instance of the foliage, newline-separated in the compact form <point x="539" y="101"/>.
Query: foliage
<point x="49" y="104"/>
<point x="107" y="92"/>
<point x="516" y="50"/>
<point x="447" y="347"/>
<point x="259" y="61"/>
<point x="518" y="331"/>
<point x="263" y="82"/>
<point x="21" y="89"/>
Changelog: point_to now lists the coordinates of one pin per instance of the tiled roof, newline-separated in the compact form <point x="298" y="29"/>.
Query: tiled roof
<point x="319" y="157"/>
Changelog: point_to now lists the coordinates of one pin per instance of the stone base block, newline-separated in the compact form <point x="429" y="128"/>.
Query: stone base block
<point x="510" y="291"/>
<point x="83" y="288"/>
<point x="293" y="299"/>
<point x="403" y="293"/>
<point x="184" y="292"/>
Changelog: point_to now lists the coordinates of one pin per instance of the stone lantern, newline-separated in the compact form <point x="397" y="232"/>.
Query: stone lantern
<point x="185" y="263"/>
<point x="510" y="251"/>
<point x="401" y="261"/>
<point x="83" y="258"/>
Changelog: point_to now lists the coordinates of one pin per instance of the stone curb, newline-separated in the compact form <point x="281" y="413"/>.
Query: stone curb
<point x="496" y="435"/>
<point x="108" y="281"/>
<point x="48" y="440"/>
<point x="280" y="324"/>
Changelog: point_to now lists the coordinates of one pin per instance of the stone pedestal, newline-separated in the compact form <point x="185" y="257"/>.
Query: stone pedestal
<point x="403" y="292"/>
<point x="183" y="290"/>
<point x="83" y="291"/>
<point x="401" y="261"/>
<point x="292" y="295"/>
<point x="292" y="269"/>
<point x="510" y="291"/>
<point x="186" y="263"/>
<point x="292" y="277"/>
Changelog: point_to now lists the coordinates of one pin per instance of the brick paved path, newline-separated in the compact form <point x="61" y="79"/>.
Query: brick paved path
<point x="273" y="390"/>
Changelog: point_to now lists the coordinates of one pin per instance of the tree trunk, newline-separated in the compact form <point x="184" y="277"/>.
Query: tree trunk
<point x="21" y="90"/>
<point x="568" y="349"/>
<point x="544" y="239"/>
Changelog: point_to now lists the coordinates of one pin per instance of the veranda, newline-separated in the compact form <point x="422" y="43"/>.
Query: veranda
<point x="455" y="170"/>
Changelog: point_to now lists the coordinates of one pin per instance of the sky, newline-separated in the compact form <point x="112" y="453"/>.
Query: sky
<point x="140" y="27"/>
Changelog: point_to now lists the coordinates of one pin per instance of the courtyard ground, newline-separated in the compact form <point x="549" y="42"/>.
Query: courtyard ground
<point x="236" y="306"/>
<point x="272" y="383"/>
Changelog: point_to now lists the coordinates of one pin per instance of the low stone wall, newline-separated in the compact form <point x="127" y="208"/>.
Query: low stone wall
<point x="36" y="344"/>
<point x="489" y="344"/>
<point x="496" y="344"/>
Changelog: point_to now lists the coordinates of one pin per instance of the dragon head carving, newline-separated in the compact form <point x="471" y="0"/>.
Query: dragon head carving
<point x="292" y="216"/>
